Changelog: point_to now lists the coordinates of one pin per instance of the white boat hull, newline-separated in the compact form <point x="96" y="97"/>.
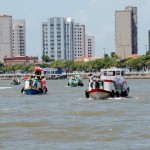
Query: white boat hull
<point x="99" y="94"/>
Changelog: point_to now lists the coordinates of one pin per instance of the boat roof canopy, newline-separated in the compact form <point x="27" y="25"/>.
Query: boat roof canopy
<point x="113" y="72"/>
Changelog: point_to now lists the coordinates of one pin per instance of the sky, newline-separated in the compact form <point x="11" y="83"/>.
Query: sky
<point x="98" y="16"/>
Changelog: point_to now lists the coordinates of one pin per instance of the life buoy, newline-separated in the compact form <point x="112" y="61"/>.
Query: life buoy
<point x="122" y="93"/>
<point x="44" y="90"/>
<point x="86" y="94"/>
<point x="126" y="93"/>
<point x="112" y="93"/>
<point x="117" y="93"/>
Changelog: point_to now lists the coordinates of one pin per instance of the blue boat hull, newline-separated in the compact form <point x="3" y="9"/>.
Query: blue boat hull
<point x="32" y="92"/>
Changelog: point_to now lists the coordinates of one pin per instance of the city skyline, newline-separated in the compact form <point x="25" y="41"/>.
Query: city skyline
<point x="63" y="38"/>
<point x="97" y="15"/>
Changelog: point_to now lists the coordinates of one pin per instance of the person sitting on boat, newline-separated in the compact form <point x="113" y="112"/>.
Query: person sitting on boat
<point x="91" y="85"/>
<point x="31" y="83"/>
<point x="35" y="82"/>
<point x="13" y="80"/>
<point x="96" y="84"/>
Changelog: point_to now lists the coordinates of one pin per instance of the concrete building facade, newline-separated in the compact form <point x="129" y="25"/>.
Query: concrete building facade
<point x="79" y="41"/>
<point x="126" y="32"/>
<point x="90" y="46"/>
<point x="53" y="38"/>
<point x="6" y="45"/>
<point x="24" y="60"/>
<point x="19" y="38"/>
<point x="69" y="34"/>
<point x="148" y="40"/>
<point x="64" y="39"/>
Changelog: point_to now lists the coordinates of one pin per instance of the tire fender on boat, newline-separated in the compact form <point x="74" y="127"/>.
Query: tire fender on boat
<point x="86" y="94"/>
<point x="112" y="93"/>
<point x="117" y="93"/>
<point x="44" y="90"/>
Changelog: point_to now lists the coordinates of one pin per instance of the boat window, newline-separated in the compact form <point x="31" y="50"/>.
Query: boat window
<point x="111" y="73"/>
<point x="101" y="84"/>
<point x="105" y="73"/>
<point x="117" y="72"/>
<point x="96" y="84"/>
<point x="122" y="73"/>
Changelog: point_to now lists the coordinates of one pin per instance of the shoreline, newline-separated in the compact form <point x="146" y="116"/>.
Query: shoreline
<point x="126" y="77"/>
<point x="138" y="77"/>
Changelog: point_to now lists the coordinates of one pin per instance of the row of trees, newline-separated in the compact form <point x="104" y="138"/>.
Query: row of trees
<point x="96" y="65"/>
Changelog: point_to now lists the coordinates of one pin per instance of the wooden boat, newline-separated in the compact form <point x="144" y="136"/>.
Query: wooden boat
<point x="15" y="81"/>
<point x="35" y="83"/>
<point x="75" y="81"/>
<point x="111" y="83"/>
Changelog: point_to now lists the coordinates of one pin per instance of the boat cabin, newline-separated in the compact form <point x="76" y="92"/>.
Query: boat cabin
<point x="112" y="73"/>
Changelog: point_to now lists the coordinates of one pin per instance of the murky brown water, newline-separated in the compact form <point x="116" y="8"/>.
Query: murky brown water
<point x="65" y="120"/>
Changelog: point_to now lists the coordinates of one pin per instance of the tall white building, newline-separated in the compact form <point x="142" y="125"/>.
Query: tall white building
<point x="69" y="40"/>
<point x="19" y="38"/>
<point x="53" y="38"/>
<point x="6" y="46"/>
<point x="64" y="39"/>
<point x="79" y="41"/>
<point x="90" y="46"/>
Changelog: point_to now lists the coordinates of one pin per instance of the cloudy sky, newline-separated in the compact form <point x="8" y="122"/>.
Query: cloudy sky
<point x="98" y="16"/>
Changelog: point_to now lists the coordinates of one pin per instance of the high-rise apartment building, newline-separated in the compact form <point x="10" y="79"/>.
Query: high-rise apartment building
<point x="90" y="46"/>
<point x="6" y="46"/>
<point x="69" y="40"/>
<point x="19" y="38"/>
<point x="79" y="41"/>
<point x="53" y="38"/>
<point x="126" y="32"/>
<point x="64" y="39"/>
<point x="148" y="40"/>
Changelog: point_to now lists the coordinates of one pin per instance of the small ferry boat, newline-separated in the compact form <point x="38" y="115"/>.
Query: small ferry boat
<point x="35" y="83"/>
<point x="75" y="81"/>
<point x="110" y="83"/>
<point x="15" y="81"/>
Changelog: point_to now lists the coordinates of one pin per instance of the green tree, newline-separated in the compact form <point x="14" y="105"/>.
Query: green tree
<point x="46" y="58"/>
<point x="114" y="55"/>
<point x="148" y="52"/>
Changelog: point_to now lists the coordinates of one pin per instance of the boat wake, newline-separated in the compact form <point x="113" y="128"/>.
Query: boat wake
<point x="120" y="98"/>
<point x="117" y="98"/>
<point x="3" y="88"/>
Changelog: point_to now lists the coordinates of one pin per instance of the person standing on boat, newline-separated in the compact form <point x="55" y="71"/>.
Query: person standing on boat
<point x="43" y="81"/>
<point x="35" y="82"/>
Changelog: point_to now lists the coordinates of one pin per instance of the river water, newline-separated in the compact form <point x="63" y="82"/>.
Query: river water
<point x="64" y="119"/>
